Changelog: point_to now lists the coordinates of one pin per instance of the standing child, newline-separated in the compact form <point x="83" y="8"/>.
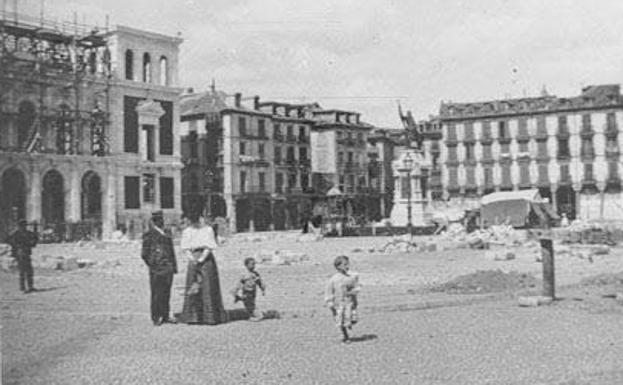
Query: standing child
<point x="341" y="296"/>
<point x="246" y="289"/>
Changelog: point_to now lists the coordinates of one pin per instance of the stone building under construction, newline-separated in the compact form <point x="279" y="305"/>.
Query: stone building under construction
<point x="88" y="137"/>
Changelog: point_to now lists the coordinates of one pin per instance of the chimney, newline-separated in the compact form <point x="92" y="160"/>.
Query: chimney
<point x="256" y="102"/>
<point x="237" y="98"/>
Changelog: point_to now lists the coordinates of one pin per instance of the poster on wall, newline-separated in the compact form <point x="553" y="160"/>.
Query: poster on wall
<point x="323" y="152"/>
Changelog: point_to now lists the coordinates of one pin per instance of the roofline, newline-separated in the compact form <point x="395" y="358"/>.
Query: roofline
<point x="143" y="33"/>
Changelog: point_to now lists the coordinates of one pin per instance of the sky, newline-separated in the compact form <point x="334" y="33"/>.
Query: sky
<point x="367" y="56"/>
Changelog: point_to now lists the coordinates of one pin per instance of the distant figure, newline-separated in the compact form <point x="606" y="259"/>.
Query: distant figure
<point x="22" y="241"/>
<point x="159" y="256"/>
<point x="341" y="296"/>
<point x="246" y="289"/>
<point x="564" y="222"/>
<point x="203" y="303"/>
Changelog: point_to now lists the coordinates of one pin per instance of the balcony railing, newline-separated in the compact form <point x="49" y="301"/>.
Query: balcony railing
<point x="290" y="138"/>
<point x="303" y="139"/>
<point x="278" y="136"/>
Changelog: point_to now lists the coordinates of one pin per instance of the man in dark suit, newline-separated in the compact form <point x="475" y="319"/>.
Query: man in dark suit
<point x="159" y="256"/>
<point x="22" y="241"/>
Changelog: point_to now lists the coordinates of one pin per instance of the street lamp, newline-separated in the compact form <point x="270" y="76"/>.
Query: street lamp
<point x="408" y="163"/>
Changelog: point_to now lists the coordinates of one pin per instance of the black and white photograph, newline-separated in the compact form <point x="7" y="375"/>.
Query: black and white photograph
<point x="311" y="192"/>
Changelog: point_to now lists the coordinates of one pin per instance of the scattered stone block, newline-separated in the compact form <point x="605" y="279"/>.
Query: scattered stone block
<point x="356" y="250"/>
<point x="431" y="247"/>
<point x="83" y="262"/>
<point x="8" y="264"/>
<point x="68" y="264"/>
<point x="600" y="250"/>
<point x="534" y="301"/>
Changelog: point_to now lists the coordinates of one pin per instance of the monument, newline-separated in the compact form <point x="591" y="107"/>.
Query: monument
<point x="410" y="171"/>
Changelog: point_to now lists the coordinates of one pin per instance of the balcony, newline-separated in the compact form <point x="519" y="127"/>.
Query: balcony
<point x="505" y="140"/>
<point x="303" y="139"/>
<point x="305" y="162"/>
<point x="541" y="135"/>
<point x="543" y="181"/>
<point x="563" y="155"/>
<point x="278" y="136"/>
<point x="248" y="160"/>
<point x="290" y="138"/>
<point x="587" y="155"/>
<point x="612" y="130"/>
<point x="253" y="136"/>
<point x="565" y="180"/>
<point x="587" y="132"/>
<point x="452" y="142"/>
<point x="612" y="152"/>
<point x="469" y="139"/>
<point x="563" y="133"/>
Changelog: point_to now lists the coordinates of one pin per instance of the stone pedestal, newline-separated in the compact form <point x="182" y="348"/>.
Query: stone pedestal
<point x="408" y="168"/>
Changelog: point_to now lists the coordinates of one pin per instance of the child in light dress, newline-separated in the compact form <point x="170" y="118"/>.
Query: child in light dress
<point x="341" y="296"/>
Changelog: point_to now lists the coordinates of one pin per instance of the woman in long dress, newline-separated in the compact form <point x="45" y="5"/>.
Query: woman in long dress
<point x="203" y="303"/>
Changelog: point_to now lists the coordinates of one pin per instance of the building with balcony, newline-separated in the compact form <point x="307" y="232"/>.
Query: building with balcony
<point x="88" y="127"/>
<point x="247" y="160"/>
<point x="568" y="148"/>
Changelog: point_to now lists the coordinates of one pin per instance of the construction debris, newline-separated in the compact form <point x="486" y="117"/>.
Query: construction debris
<point x="487" y="281"/>
<point x="534" y="301"/>
<point x="482" y="239"/>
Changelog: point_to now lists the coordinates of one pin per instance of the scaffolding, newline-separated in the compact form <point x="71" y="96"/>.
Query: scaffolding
<point x="39" y="60"/>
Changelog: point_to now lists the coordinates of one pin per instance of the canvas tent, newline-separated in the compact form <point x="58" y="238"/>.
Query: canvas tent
<point x="524" y="208"/>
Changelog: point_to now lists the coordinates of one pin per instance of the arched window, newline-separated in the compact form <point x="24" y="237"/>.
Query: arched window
<point x="146" y="68"/>
<point x="164" y="71"/>
<point x="25" y="120"/>
<point x="129" y="65"/>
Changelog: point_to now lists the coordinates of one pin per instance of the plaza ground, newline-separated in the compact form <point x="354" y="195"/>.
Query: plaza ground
<point x="91" y="326"/>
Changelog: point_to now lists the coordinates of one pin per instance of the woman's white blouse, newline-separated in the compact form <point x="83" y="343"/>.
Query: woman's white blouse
<point x="195" y="238"/>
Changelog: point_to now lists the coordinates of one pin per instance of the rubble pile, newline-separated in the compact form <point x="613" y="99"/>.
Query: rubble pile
<point x="487" y="281"/>
<point x="591" y="233"/>
<point x="398" y="244"/>
<point x="280" y="257"/>
<point x="481" y="239"/>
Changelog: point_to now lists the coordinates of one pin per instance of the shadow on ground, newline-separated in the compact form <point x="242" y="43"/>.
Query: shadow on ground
<point x="242" y="315"/>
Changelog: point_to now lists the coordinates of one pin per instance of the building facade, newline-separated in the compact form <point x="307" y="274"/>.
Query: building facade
<point x="252" y="160"/>
<point x="568" y="148"/>
<point x="88" y="124"/>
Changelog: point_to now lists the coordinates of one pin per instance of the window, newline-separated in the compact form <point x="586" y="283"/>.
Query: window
<point x="130" y="124"/>
<point x="470" y="174"/>
<point x="341" y="182"/>
<point x="360" y="138"/>
<point x="243" y="181"/>
<point x="563" y="148"/>
<point x="262" y="180"/>
<point x="469" y="131"/>
<point x="338" y="134"/>
<point x="243" y="148"/>
<point x="277" y="131"/>
<point x="291" y="180"/>
<point x="351" y="183"/>
<point x="146" y="68"/>
<point x="164" y="71"/>
<point x="611" y="122"/>
<point x="132" y="193"/>
<point x="543" y="174"/>
<point x="279" y="182"/>
<point x="129" y="65"/>
<point x="562" y="125"/>
<point x="166" y="128"/>
<point x="350" y="157"/>
<point x="149" y="188"/>
<point x="587" y="147"/>
<point x="290" y="132"/>
<point x="452" y="155"/>
<point x="486" y="130"/>
<point x="167" y="193"/>
<point x="488" y="171"/>
<point x="302" y="133"/>
<point x="522" y="128"/>
<point x="486" y="151"/>
<point x="469" y="151"/>
<point x="290" y="155"/>
<point x="564" y="173"/>
<point x="242" y="126"/>
<point x="303" y="153"/>
<point x="193" y="144"/>
<point x="149" y="153"/>
<point x="261" y="128"/>
<point x="523" y="147"/>
<point x="340" y="158"/>
<point x="524" y="174"/>
<point x="586" y="122"/>
<point x="502" y="130"/>
<point x="25" y="121"/>
<point x="277" y="155"/>
<point x="541" y="129"/>
<point x="506" y="175"/>
<point x="588" y="171"/>
<point x="304" y="180"/>
<point x="541" y="149"/>
<point x="260" y="150"/>
<point x="613" y="171"/>
<point x="505" y="148"/>
<point x="453" y="176"/>
<point x="451" y="132"/>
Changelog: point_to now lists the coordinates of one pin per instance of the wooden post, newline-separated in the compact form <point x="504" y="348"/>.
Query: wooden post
<point x="547" y="253"/>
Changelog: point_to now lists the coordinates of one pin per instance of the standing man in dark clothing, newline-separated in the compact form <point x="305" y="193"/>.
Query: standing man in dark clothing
<point x="22" y="241"/>
<point x="159" y="256"/>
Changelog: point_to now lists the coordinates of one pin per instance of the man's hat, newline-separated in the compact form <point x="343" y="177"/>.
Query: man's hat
<point x="157" y="215"/>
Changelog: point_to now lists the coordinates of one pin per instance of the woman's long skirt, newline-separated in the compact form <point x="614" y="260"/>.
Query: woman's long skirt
<point x="203" y="306"/>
